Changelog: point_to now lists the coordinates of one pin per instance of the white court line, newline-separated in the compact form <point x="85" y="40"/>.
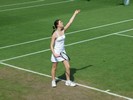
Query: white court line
<point x="36" y="6"/>
<point x="22" y="3"/>
<point x="74" y="43"/>
<point x="124" y="35"/>
<point x="87" y="29"/>
<point x="37" y="40"/>
<point x="81" y="85"/>
<point x="25" y="55"/>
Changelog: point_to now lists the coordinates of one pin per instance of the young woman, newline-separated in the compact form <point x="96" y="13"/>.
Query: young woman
<point x="57" y="46"/>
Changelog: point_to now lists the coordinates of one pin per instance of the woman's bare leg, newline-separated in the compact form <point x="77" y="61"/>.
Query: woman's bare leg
<point x="53" y="70"/>
<point x="67" y="66"/>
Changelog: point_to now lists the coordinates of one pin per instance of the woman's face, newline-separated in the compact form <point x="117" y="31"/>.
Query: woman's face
<point x="60" y="24"/>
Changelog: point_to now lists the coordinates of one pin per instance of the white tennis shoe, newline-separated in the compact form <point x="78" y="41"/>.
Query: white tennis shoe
<point x="53" y="83"/>
<point x="70" y="83"/>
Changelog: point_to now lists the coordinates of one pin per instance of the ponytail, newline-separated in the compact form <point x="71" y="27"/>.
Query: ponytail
<point x="54" y="29"/>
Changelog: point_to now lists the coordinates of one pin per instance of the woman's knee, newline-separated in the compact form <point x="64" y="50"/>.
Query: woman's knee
<point x="54" y="66"/>
<point x="67" y="65"/>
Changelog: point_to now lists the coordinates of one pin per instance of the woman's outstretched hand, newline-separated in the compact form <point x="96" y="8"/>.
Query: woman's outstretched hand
<point x="77" y="11"/>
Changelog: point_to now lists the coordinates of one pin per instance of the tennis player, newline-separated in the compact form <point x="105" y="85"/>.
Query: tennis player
<point x="57" y="46"/>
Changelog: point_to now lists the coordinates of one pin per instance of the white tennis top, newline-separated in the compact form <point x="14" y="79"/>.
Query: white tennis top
<point x="58" y="47"/>
<point x="59" y="42"/>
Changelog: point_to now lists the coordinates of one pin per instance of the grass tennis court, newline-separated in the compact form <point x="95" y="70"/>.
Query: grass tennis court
<point x="99" y="43"/>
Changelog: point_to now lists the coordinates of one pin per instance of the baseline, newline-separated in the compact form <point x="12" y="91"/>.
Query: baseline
<point x="81" y="85"/>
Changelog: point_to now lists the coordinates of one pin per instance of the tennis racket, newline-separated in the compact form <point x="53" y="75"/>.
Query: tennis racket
<point x="65" y="56"/>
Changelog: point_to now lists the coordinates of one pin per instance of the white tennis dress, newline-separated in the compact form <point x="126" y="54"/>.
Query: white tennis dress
<point x="58" y="47"/>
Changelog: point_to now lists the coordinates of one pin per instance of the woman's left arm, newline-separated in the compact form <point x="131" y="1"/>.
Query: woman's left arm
<point x="71" y="20"/>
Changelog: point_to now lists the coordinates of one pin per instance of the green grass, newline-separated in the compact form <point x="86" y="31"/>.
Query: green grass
<point x="104" y="63"/>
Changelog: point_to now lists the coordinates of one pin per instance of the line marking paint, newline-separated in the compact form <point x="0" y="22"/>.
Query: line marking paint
<point x="124" y="35"/>
<point x="21" y="3"/>
<point x="81" y="85"/>
<point x="74" y="43"/>
<point x="29" y="54"/>
<point x="48" y="4"/>
<point x="83" y="30"/>
<point x="18" y="44"/>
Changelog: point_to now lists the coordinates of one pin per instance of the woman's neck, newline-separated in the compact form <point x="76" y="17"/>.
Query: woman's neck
<point x="60" y="29"/>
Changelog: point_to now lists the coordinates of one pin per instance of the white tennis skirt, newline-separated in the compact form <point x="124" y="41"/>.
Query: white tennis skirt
<point x="57" y="59"/>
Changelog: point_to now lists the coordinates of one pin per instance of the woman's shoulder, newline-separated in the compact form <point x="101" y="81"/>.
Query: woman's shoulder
<point x="55" y="34"/>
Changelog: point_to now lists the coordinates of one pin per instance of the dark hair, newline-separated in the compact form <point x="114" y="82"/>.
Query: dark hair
<point x="55" y="25"/>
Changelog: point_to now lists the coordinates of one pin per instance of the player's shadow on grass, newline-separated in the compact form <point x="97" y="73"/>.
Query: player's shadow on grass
<point x="72" y="71"/>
